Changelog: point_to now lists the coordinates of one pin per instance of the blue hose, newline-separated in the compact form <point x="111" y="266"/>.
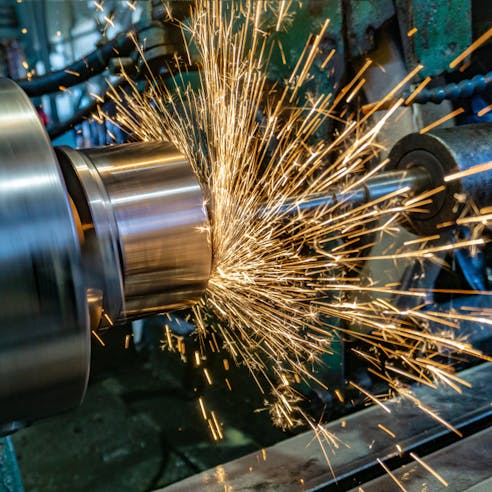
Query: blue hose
<point x="451" y="92"/>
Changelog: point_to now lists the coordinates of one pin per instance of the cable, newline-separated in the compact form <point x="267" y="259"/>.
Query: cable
<point x="451" y="92"/>
<point x="58" y="129"/>
<point x="464" y="89"/>
<point x="81" y="70"/>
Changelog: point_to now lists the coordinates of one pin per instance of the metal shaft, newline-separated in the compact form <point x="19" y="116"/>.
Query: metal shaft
<point x="416" y="179"/>
<point x="424" y="162"/>
<point x="444" y="152"/>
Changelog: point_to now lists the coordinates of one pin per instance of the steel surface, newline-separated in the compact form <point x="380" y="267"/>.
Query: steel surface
<point x="161" y="219"/>
<point x="444" y="152"/>
<point x="99" y="244"/>
<point x="465" y="466"/>
<point x="44" y="337"/>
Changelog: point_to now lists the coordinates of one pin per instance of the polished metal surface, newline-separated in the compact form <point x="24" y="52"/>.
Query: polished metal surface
<point x="44" y="336"/>
<point x="162" y="225"/>
<point x="99" y="235"/>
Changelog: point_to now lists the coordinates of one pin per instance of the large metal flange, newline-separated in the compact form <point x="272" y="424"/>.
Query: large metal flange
<point x="44" y="331"/>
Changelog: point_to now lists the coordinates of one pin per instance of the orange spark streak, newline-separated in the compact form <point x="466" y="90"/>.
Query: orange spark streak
<point x="429" y="469"/>
<point x="479" y="168"/>
<point x="388" y="471"/>
<point x="447" y="117"/>
<point x="476" y="44"/>
<point x="98" y="338"/>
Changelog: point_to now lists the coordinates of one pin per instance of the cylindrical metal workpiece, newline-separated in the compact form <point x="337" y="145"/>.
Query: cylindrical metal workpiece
<point x="443" y="153"/>
<point x="155" y="211"/>
<point x="442" y="158"/>
<point x="120" y="231"/>
<point x="44" y="336"/>
<point x="101" y="265"/>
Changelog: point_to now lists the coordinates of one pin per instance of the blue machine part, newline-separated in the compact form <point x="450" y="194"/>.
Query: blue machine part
<point x="473" y="266"/>
<point x="10" y="478"/>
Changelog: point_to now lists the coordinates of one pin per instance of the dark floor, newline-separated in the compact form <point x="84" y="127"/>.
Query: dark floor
<point x="140" y="426"/>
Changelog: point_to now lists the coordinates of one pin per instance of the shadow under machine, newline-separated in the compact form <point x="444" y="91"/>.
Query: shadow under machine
<point x="97" y="237"/>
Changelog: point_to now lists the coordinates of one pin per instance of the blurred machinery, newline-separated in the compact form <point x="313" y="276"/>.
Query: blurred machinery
<point x="100" y="235"/>
<point x="89" y="237"/>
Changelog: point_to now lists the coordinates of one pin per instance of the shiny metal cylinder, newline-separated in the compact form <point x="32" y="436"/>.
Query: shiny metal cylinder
<point x="154" y="216"/>
<point x="44" y="332"/>
<point x="422" y="162"/>
<point x="113" y="233"/>
<point x="443" y="152"/>
<point x="100" y="254"/>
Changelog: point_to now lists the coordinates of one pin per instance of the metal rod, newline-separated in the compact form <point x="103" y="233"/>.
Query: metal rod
<point x="417" y="179"/>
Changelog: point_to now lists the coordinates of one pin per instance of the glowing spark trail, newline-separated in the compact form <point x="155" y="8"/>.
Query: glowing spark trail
<point x="280" y="272"/>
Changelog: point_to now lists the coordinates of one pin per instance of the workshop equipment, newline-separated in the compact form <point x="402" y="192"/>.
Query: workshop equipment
<point x="105" y="235"/>
<point x="124" y="234"/>
<point x="295" y="464"/>
<point x="425" y="162"/>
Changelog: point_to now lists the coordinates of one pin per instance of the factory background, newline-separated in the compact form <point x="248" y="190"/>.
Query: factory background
<point x="140" y="427"/>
